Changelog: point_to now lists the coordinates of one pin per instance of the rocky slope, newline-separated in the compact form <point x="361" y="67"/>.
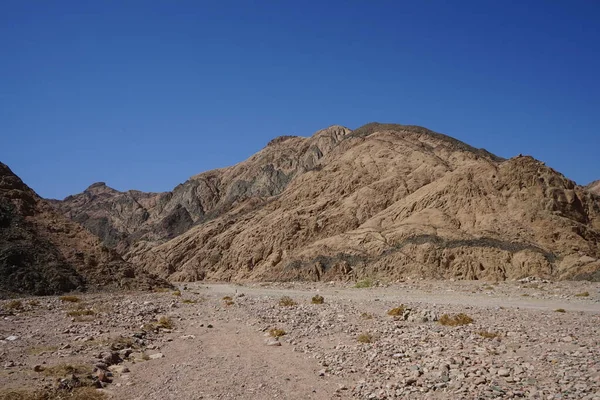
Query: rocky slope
<point x="594" y="187"/>
<point x="121" y="219"/>
<point x="383" y="200"/>
<point x="42" y="252"/>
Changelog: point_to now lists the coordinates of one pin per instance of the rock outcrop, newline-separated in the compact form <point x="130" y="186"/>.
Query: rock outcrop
<point x="383" y="200"/>
<point x="42" y="252"/>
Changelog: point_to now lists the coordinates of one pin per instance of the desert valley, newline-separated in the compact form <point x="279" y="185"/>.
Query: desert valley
<point x="388" y="261"/>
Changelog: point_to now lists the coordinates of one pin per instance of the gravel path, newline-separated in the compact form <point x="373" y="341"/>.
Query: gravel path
<point x="517" y="345"/>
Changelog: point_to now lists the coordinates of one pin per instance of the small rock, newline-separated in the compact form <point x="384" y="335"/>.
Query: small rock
<point x="102" y="376"/>
<point x="156" y="356"/>
<point x="272" y="342"/>
<point x="11" y="338"/>
<point x="503" y="372"/>
<point x="187" y="337"/>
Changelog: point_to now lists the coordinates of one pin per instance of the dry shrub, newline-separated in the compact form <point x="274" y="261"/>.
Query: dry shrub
<point x="121" y="342"/>
<point x="287" y="301"/>
<point x="189" y="301"/>
<point x="456" y="320"/>
<point x="488" y="335"/>
<point x="81" y="312"/>
<point x="318" y="299"/>
<point x="69" y="299"/>
<point x="229" y="302"/>
<point x="365" y="283"/>
<point x="64" y="370"/>
<point x="275" y="332"/>
<point x="227" y="298"/>
<point x="165" y="323"/>
<point x="176" y="293"/>
<point x="365" y="338"/>
<point x="162" y="290"/>
<point x="398" y="311"/>
<point x="13" y="305"/>
<point x="561" y="310"/>
<point x="582" y="294"/>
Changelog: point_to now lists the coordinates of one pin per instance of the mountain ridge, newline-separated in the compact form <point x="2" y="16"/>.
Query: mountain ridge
<point x="307" y="208"/>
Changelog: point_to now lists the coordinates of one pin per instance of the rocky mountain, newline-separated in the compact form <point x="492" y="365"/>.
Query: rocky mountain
<point x="383" y="200"/>
<point x="594" y="187"/>
<point x="42" y="252"/>
<point x="122" y="219"/>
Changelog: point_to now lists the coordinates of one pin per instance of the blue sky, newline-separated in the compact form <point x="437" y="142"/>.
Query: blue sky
<point x="144" y="94"/>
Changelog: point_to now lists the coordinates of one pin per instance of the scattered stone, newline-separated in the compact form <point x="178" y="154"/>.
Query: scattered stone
<point x="272" y="342"/>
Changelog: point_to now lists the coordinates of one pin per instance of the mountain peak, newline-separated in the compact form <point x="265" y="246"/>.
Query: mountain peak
<point x="99" y="187"/>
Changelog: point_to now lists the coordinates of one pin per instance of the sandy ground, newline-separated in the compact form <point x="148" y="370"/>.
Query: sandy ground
<point x="221" y="349"/>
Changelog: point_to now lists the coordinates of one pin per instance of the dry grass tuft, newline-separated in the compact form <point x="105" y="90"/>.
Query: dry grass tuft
<point x="189" y="301"/>
<point x="165" y="323"/>
<point x="398" y="311"/>
<point x="81" y="312"/>
<point x="365" y="338"/>
<point x="366" y="316"/>
<point x="13" y="305"/>
<point x="287" y="301"/>
<point x="37" y="350"/>
<point x="176" y="293"/>
<point x="121" y="342"/>
<point x="227" y="298"/>
<point x="365" y="283"/>
<point x="456" y="320"/>
<point x="64" y="370"/>
<point x="561" y="310"/>
<point x="69" y="299"/>
<point x="582" y="294"/>
<point x="275" y="332"/>
<point x="488" y="335"/>
<point x="229" y="302"/>
<point x="83" y="393"/>
<point x="318" y="299"/>
<point x="162" y="290"/>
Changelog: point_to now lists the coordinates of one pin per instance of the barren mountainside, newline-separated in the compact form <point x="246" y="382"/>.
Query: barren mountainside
<point x="42" y="252"/>
<point x="383" y="200"/>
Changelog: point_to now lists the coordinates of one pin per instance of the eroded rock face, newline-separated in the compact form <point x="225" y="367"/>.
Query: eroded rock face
<point x="383" y="200"/>
<point x="42" y="252"/>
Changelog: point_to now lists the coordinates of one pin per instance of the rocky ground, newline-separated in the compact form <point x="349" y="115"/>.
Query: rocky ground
<point x="533" y="339"/>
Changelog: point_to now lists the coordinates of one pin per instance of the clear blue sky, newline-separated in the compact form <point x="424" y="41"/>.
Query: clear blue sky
<point x="144" y="94"/>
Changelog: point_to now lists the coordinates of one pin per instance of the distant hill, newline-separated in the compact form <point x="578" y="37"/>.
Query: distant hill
<point x="384" y="200"/>
<point x="42" y="252"/>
